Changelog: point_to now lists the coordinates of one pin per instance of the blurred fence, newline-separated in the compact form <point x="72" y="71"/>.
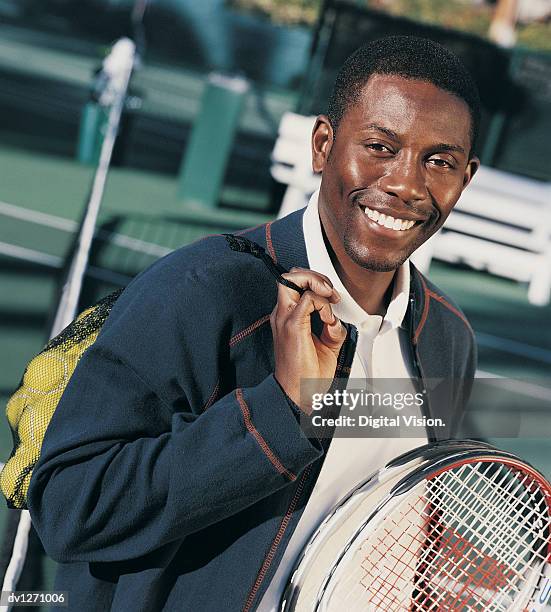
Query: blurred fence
<point x="515" y="86"/>
<point x="45" y="87"/>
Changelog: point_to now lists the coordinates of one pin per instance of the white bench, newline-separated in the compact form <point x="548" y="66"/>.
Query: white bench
<point x="292" y="162"/>
<point x="501" y="224"/>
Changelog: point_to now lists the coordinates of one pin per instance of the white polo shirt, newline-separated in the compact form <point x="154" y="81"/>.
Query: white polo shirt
<point x="382" y="351"/>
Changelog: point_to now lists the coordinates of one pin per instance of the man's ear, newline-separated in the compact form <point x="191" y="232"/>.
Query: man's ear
<point x="470" y="170"/>
<point x="322" y="141"/>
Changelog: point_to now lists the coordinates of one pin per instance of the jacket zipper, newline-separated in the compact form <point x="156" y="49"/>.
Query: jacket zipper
<point x="344" y="352"/>
<point x="418" y="369"/>
<point x="277" y="540"/>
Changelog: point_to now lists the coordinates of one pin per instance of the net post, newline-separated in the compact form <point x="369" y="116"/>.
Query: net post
<point x="117" y="71"/>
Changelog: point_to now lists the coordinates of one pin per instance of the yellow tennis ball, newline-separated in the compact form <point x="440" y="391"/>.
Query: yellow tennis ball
<point x="46" y="372"/>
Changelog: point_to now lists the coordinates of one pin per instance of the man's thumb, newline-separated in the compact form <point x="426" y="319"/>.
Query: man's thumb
<point x="333" y="334"/>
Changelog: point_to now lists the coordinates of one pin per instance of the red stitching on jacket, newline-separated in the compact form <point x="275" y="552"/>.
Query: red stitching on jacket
<point x="248" y="330"/>
<point x="276" y="542"/>
<point x="431" y="294"/>
<point x="425" y="314"/>
<point x="269" y="244"/>
<point x="212" y="396"/>
<point x="456" y="312"/>
<point x="248" y="229"/>
<point x="258" y="437"/>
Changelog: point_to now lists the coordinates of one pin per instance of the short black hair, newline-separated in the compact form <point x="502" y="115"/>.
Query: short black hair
<point x="410" y="57"/>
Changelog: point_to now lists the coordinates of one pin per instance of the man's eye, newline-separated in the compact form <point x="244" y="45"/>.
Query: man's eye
<point x="377" y="146"/>
<point x="440" y="163"/>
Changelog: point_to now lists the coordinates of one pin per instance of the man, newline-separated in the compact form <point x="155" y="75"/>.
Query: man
<point x="175" y="474"/>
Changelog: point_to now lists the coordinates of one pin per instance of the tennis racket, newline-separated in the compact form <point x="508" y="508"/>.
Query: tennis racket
<point x="452" y="526"/>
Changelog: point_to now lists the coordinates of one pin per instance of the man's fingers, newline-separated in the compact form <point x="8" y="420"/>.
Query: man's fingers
<point x="333" y="334"/>
<point x="308" y="303"/>
<point x="299" y="353"/>
<point x="309" y="280"/>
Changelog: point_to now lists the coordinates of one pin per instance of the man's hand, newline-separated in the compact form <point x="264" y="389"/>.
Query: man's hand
<point x="298" y="352"/>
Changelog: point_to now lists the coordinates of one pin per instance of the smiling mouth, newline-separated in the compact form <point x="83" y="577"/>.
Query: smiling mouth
<point x="398" y="225"/>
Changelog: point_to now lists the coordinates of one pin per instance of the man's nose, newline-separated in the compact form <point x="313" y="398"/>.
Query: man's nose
<point x="405" y="179"/>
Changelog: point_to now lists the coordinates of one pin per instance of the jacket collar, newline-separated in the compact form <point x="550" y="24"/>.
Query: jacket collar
<point x="288" y="240"/>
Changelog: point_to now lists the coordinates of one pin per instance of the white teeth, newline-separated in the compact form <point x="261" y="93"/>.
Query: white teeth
<point x="372" y="214"/>
<point x="399" y="225"/>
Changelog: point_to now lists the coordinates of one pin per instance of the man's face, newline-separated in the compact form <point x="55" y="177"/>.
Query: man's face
<point x="393" y="170"/>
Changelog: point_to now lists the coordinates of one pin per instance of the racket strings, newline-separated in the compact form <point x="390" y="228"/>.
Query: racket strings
<point x="492" y="516"/>
<point x="488" y="549"/>
<point x="477" y="575"/>
<point x="470" y="541"/>
<point x="389" y="562"/>
<point x="459" y="572"/>
<point x="442" y="540"/>
<point x="508" y="537"/>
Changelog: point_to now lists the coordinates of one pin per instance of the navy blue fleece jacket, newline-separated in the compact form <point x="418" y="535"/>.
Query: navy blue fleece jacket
<point x="174" y="469"/>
